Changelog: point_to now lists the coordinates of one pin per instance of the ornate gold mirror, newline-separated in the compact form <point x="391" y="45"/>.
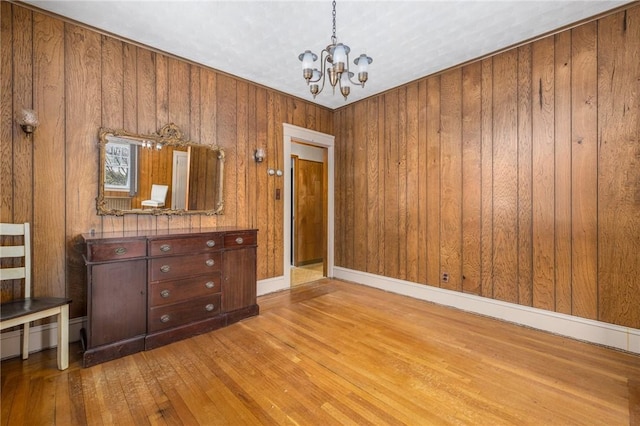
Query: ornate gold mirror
<point x="159" y="174"/>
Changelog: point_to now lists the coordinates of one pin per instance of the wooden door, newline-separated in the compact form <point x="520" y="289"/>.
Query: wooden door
<point x="308" y="212"/>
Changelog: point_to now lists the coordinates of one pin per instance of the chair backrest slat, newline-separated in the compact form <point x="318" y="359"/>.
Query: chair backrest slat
<point x="11" y="251"/>
<point x="22" y="249"/>
<point x="12" y="273"/>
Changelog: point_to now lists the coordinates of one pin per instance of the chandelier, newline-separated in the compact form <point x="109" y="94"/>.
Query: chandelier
<point x="334" y="60"/>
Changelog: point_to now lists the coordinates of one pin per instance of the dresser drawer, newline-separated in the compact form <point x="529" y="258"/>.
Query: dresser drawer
<point x="116" y="250"/>
<point x="168" y="292"/>
<point x="169" y="316"/>
<point x="186" y="245"/>
<point x="171" y="268"/>
<point x="239" y="239"/>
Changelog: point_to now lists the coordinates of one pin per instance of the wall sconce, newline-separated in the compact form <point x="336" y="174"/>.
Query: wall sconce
<point x="259" y="155"/>
<point x="28" y="120"/>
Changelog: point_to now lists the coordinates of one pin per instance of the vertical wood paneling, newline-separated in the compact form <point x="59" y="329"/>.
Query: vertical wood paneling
<point x="505" y="177"/>
<point x="619" y="168"/>
<point x="162" y="117"/>
<point x="9" y="129"/>
<point x="562" y="171"/>
<point x="280" y="115"/>
<point x="244" y="154"/>
<point x="208" y="124"/>
<point x="413" y="185"/>
<point x="24" y="97"/>
<point x="112" y="81"/>
<point x="422" y="203"/>
<point x="179" y="109"/>
<point x="130" y="108"/>
<point x="374" y="207"/>
<point x="112" y="101"/>
<point x="451" y="179"/>
<point x="83" y="70"/>
<point x="261" y="188"/>
<point x="525" y="290"/>
<point x="339" y="192"/>
<point x="471" y="177"/>
<point x="382" y="177"/>
<point x="359" y="210"/>
<point x="7" y="123"/>
<point x="49" y="148"/>
<point x="391" y="218"/>
<point x="271" y="181"/>
<point x="402" y="183"/>
<point x="433" y="181"/>
<point x="226" y="137"/>
<point x="543" y="174"/>
<point x="584" y="172"/>
<point x="486" y="271"/>
<point x="146" y="95"/>
<point x="347" y="172"/>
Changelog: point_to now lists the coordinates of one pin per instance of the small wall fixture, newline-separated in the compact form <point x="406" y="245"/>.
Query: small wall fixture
<point x="28" y="120"/>
<point x="259" y="155"/>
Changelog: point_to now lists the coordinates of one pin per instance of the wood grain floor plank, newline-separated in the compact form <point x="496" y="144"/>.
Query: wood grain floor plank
<point x="332" y="352"/>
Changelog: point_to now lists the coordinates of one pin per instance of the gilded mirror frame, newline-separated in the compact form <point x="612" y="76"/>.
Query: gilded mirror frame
<point x="169" y="135"/>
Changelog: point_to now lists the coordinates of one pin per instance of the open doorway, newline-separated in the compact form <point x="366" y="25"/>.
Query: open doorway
<point x="308" y="213"/>
<point x="292" y="135"/>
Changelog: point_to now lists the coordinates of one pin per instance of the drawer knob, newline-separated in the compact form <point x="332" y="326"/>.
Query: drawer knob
<point x="165" y="248"/>
<point x="120" y="251"/>
<point x="210" y="307"/>
<point x="209" y="284"/>
<point x="165" y="293"/>
<point x="165" y="318"/>
<point x="210" y="262"/>
<point x="239" y="240"/>
<point x="211" y="243"/>
<point x="165" y="268"/>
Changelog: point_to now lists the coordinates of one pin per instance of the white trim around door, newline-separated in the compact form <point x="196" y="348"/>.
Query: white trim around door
<point x="299" y="134"/>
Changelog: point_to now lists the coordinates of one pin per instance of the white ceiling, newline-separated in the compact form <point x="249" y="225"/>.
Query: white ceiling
<point x="260" y="40"/>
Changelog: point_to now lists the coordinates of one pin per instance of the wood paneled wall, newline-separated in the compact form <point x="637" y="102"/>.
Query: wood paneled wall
<point x="79" y="80"/>
<point x="517" y="175"/>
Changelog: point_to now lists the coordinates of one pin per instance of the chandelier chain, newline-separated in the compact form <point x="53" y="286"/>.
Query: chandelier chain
<point x="334" y="39"/>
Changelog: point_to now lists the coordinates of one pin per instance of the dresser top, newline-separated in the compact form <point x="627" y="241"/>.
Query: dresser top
<point x="95" y="236"/>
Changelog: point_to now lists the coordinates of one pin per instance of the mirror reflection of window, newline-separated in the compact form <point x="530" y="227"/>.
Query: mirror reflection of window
<point x="117" y="167"/>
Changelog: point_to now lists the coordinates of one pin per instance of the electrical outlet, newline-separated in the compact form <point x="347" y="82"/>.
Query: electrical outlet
<point x="445" y="277"/>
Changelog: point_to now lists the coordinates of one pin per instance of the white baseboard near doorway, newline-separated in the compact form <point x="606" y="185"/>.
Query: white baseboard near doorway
<point x="40" y="337"/>
<point x="271" y="285"/>
<point x="601" y="333"/>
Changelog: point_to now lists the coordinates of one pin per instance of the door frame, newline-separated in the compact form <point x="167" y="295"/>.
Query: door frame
<point x="310" y="137"/>
<point x="176" y="175"/>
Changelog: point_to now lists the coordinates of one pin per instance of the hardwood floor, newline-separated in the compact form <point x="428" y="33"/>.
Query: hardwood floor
<point x="331" y="352"/>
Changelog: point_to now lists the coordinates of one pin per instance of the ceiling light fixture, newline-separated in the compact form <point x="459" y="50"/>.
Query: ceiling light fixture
<point x="334" y="60"/>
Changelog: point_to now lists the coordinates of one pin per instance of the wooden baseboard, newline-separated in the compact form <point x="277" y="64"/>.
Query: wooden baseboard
<point x="600" y="333"/>
<point x="40" y="337"/>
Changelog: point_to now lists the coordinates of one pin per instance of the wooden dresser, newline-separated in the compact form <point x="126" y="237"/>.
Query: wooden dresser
<point x="147" y="289"/>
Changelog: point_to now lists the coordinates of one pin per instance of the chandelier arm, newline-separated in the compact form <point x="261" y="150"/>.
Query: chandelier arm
<point x="323" y="68"/>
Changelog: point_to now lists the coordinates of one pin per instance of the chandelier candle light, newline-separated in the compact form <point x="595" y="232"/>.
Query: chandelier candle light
<point x="334" y="60"/>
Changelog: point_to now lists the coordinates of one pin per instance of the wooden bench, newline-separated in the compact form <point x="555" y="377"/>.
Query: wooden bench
<point x="16" y="244"/>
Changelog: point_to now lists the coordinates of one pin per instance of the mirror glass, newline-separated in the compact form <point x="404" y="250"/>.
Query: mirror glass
<point x="158" y="174"/>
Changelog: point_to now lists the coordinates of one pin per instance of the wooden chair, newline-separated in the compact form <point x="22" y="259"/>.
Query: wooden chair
<point x="23" y="311"/>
